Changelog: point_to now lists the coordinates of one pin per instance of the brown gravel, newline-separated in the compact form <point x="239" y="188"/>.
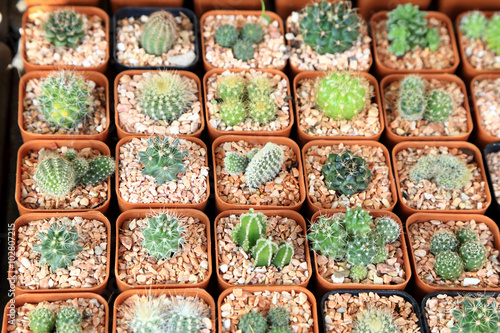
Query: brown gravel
<point x="239" y="302"/>
<point x="280" y="96"/>
<point x="378" y="194"/>
<point x="132" y="120"/>
<point x="493" y="160"/>
<point x="236" y="267"/>
<point x="487" y="96"/>
<point x="341" y="311"/>
<point x="426" y="195"/>
<point x="189" y="187"/>
<point x="456" y="124"/>
<point x="283" y="190"/>
<point x="91" y="51"/>
<point x="442" y="58"/>
<point x="88" y="197"/>
<point x="93" y="321"/>
<point x="188" y="266"/>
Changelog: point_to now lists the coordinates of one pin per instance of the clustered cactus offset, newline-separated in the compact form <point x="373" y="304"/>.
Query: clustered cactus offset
<point x="42" y="320"/>
<point x="475" y="25"/>
<point x="243" y="49"/>
<point x="64" y="28"/>
<point x="67" y="320"/>
<point x="477" y="315"/>
<point x="163" y="236"/>
<point x="448" y="171"/>
<point x="277" y="321"/>
<point x="159" y="33"/>
<point x="375" y="320"/>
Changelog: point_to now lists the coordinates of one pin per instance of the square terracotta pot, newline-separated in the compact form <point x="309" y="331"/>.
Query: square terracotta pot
<point x="484" y="134"/>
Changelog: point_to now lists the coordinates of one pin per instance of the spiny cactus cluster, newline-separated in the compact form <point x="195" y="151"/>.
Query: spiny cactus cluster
<point x="450" y="264"/>
<point x="478" y="315"/>
<point x="407" y="28"/>
<point x="243" y="49"/>
<point x="277" y="321"/>
<point x="67" y="320"/>
<point x="448" y="171"/>
<point x="159" y="33"/>
<point x="346" y="173"/>
<point x="64" y="28"/>
<point x="330" y="28"/>
<point x="163" y="236"/>
<point x="351" y="237"/>
<point x="475" y="25"/>
<point x="250" y="233"/>
<point x="375" y="320"/>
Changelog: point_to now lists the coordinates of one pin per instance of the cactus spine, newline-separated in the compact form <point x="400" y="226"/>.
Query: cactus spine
<point x="233" y="112"/>
<point x="42" y="320"/>
<point x="283" y="255"/>
<point x="411" y="102"/>
<point x="252" y="322"/>
<point x="480" y="314"/>
<point x="442" y="241"/>
<point x="262" y="109"/>
<point x="278" y="316"/>
<point x="231" y="86"/>
<point x="68" y="316"/>
<point x="64" y="28"/>
<point x="465" y="235"/>
<point x="186" y="316"/>
<point x="259" y="86"/>
<point x="329" y="237"/>
<point x="448" y="265"/>
<point x="388" y="229"/>
<point x="163" y="236"/>
<point x="99" y="169"/>
<point x="55" y="176"/>
<point x="264" y="166"/>
<point x="448" y="171"/>
<point x="439" y="106"/>
<point x="226" y="35"/>
<point x="375" y="320"/>
<point x="235" y="163"/>
<point x="159" y="33"/>
<point x="149" y="315"/>
<point x="357" y="221"/>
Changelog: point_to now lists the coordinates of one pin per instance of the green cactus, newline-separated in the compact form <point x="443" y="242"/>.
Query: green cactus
<point x="263" y="252"/>
<point x="252" y="322"/>
<point x="465" y="235"/>
<point x="80" y="165"/>
<point x="328" y="237"/>
<point x="492" y="34"/>
<point x="426" y="168"/>
<point x="357" y="221"/>
<point x="252" y="153"/>
<point x="473" y="255"/>
<point x="433" y="39"/>
<point x="388" y="229"/>
<point x="233" y="112"/>
<point x="358" y="272"/>
<point x="442" y="241"/>
<point x="243" y="50"/>
<point x="330" y="28"/>
<point x="186" y="316"/>
<point x="163" y="237"/>
<point x="343" y="95"/>
<point x="231" y="87"/>
<point x="477" y="315"/>
<point x="226" y="35"/>
<point x="159" y="33"/>
<point x="439" y="106"/>
<point x="262" y="109"/>
<point x="259" y="86"/>
<point x="474" y="24"/>
<point x="162" y="160"/>
<point x="251" y="228"/>
<point x="375" y="320"/>
<point x="265" y="165"/>
<point x="453" y="172"/>
<point x="68" y="315"/>
<point x="55" y="176"/>
<point x="235" y="163"/>
<point x="278" y="316"/>
<point x="252" y="32"/>
<point x="65" y="99"/>
<point x="280" y="329"/>
<point x="361" y="250"/>
<point x="381" y="255"/>
<point x="99" y="169"/>
<point x="42" y="320"/>
<point x="64" y="28"/>
<point x="448" y="265"/>
<point x="346" y="173"/>
<point x="69" y="328"/>
<point x="283" y="255"/>
<point x="411" y="102"/>
<point x="149" y="315"/>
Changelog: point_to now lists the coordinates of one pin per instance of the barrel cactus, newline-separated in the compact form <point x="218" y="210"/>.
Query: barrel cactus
<point x="439" y="106"/>
<point x="262" y="109"/>
<point x="442" y="241"/>
<point x="233" y="111"/>
<point x="64" y="28"/>
<point x="226" y="35"/>
<point x="55" y="176"/>
<point x="283" y="255"/>
<point x="259" y="86"/>
<point x="411" y="102"/>
<point x="252" y="322"/>
<point x="163" y="236"/>
<point x="68" y="315"/>
<point x="448" y="265"/>
<point x="473" y="255"/>
<point x="357" y="221"/>
<point x="278" y="316"/>
<point x="251" y="228"/>
<point x="375" y="320"/>
<point x="186" y="316"/>
<point x="465" y="235"/>
<point x="388" y="229"/>
<point x="478" y="315"/>
<point x="263" y="252"/>
<point x="42" y="320"/>
<point x="252" y="32"/>
<point x="231" y="86"/>
<point x="329" y="237"/>
<point x="159" y="33"/>
<point x="265" y="165"/>
<point x="243" y="50"/>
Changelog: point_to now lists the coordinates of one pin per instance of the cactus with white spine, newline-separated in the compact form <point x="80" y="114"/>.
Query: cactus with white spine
<point x="439" y="106"/>
<point x="411" y="102"/>
<point x="55" y="176"/>
<point x="263" y="252"/>
<point x="186" y="316"/>
<point x="235" y="163"/>
<point x="231" y="86"/>
<point x="149" y="315"/>
<point x="375" y="320"/>
<point x="262" y="109"/>
<point x="448" y="265"/>
<point x="278" y="316"/>
<point x="357" y="221"/>
<point x="233" y="111"/>
<point x="68" y="317"/>
<point x="465" y="235"/>
<point x="473" y="255"/>
<point x="159" y="33"/>
<point x="251" y="228"/>
<point x="442" y="241"/>
<point x="329" y="237"/>
<point x="259" y="86"/>
<point x="99" y="169"/>
<point x="388" y="229"/>
<point x="163" y="237"/>
<point x="283" y="255"/>
<point x="264" y="166"/>
<point x="42" y="320"/>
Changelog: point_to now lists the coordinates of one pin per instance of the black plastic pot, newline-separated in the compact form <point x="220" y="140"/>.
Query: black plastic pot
<point x="495" y="205"/>
<point x="406" y="296"/>
<point x="140" y="11"/>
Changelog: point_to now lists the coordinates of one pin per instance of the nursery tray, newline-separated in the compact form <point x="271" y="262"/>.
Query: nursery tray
<point x="495" y="205"/>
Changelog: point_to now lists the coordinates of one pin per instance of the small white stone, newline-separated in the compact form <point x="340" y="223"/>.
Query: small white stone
<point x="295" y="17"/>
<point x="471" y="282"/>
<point x="182" y="60"/>
<point x="25" y="262"/>
<point x="223" y="268"/>
<point x="120" y="47"/>
<point x="341" y="310"/>
<point x="337" y="279"/>
<point x="86" y="63"/>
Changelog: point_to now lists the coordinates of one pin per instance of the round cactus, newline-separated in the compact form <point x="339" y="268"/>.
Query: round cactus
<point x="69" y="328"/>
<point x="259" y="86"/>
<point x="252" y="32"/>
<point x="477" y="315"/>
<point x="375" y="320"/>
<point x="226" y="35"/>
<point x="265" y="165"/>
<point x="357" y="221"/>
<point x="231" y="86"/>
<point x="235" y="163"/>
<point x="448" y="265"/>
<point x="454" y="173"/>
<point x="283" y="255"/>
<point x="381" y="255"/>
<point x="42" y="320"/>
<point x="163" y="237"/>
<point x="411" y="102"/>
<point x="278" y="316"/>
<point x="64" y="28"/>
<point x="159" y="33"/>
<point x="439" y="106"/>
<point x="328" y="237"/>
<point x="252" y="322"/>
<point x="426" y="168"/>
<point x="492" y="34"/>
<point x="358" y="272"/>
<point x="262" y="109"/>
<point x="473" y="24"/>
<point x="55" y="176"/>
<point x="361" y="250"/>
<point x="263" y="252"/>
<point x="149" y="315"/>
<point x="186" y="316"/>
<point x="473" y="256"/>
<point x="442" y="241"/>
<point x="243" y="50"/>
<point x="251" y="228"/>
<point x="388" y="229"/>
<point x="68" y="315"/>
<point x="465" y="235"/>
<point x="233" y="112"/>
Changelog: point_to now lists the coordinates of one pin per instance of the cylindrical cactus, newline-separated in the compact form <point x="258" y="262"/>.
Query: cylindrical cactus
<point x="358" y="272"/>
<point x="243" y="50"/>
<point x="251" y="228"/>
<point x="252" y="322"/>
<point x="259" y="86"/>
<point x="235" y="163"/>
<point x="265" y="165"/>
<point x="474" y="24"/>
<point x="263" y="252"/>
<point x="375" y="320"/>
<point x="55" y="176"/>
<point x="99" y="169"/>
<point x="411" y="102"/>
<point x="163" y="237"/>
<point x="42" y="320"/>
<point x="448" y="265"/>
<point x="64" y="28"/>
<point x="283" y="255"/>
<point x="492" y="34"/>
<point x="231" y="87"/>
<point x="328" y="237"/>
<point x="252" y="32"/>
<point x="439" y="106"/>
<point x="278" y="316"/>
<point x="186" y="316"/>
<point x="68" y="315"/>
<point x="465" y="235"/>
<point x="262" y="109"/>
<point x="159" y="33"/>
<point x="357" y="221"/>
<point x="473" y="255"/>
<point x="233" y="112"/>
<point x="388" y="229"/>
<point x="226" y="35"/>
<point x="442" y="241"/>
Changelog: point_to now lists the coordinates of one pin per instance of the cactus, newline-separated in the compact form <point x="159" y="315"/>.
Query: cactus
<point x="330" y="28"/>
<point x="381" y="254"/>
<point x="186" y="316"/>
<point x="478" y="315"/>
<point x="375" y="320"/>
<point x="68" y="315"/>
<point x="343" y="95"/>
<point x="473" y="24"/>
<point x="465" y="235"/>
<point x="243" y="50"/>
<point x="149" y="315"/>
<point x="58" y="246"/>
<point x="358" y="272"/>
<point x="439" y="106"/>
<point x="42" y="320"/>
<point x="65" y="99"/>
<point x="361" y="250"/>
<point x="55" y="176"/>
<point x="252" y="227"/>
<point x="252" y="153"/>
<point x="226" y="35"/>
<point x="80" y="165"/>
<point x="411" y="102"/>
<point x="233" y="112"/>
<point x="492" y="34"/>
<point x="231" y="86"/>
<point x="426" y="168"/>
<point x="162" y="160"/>
<point x="346" y="173"/>
<point x="235" y="163"/>
<point x="278" y="316"/>
<point x="99" y="169"/>
<point x="259" y="86"/>
<point x="283" y="255"/>
<point x="442" y="241"/>
<point x="328" y="237"/>
<point x="163" y="236"/>
<point x="448" y="265"/>
<point x="357" y="221"/>
<point x="252" y="322"/>
<point x="280" y="329"/>
<point x="264" y="166"/>
<point x="473" y="256"/>
<point x="159" y="33"/>
<point x="252" y="32"/>
<point x="262" y="109"/>
<point x="453" y="172"/>
<point x="165" y="96"/>
<point x="64" y="28"/>
<point x="263" y="252"/>
<point x="388" y="229"/>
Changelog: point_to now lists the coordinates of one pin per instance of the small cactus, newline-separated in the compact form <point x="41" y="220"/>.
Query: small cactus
<point x="251" y="228"/>
<point x="375" y="320"/>
<point x="252" y="32"/>
<point x="381" y="255"/>
<point x="80" y="165"/>
<point x="328" y="237"/>
<point x="439" y="106"/>
<point x="388" y="229"/>
<point x="278" y="316"/>
<point x="252" y="322"/>
<point x="259" y="86"/>
<point x="448" y="265"/>
<point x="358" y="273"/>
<point x="243" y="50"/>
<point x="42" y="320"/>
<point x="235" y="163"/>
<point x="426" y="168"/>
<point x="69" y="328"/>
<point x="283" y="255"/>
<point x="465" y="235"/>
<point x="55" y="176"/>
<point x="64" y="28"/>
<point x="448" y="171"/>
<point x="233" y="112"/>
<point x="226" y="35"/>
<point x="262" y="109"/>
<point x="163" y="237"/>
<point x="492" y="34"/>
<point x="68" y="315"/>
<point x="263" y="252"/>
<point x="149" y="315"/>
<point x="159" y="33"/>
<point x="252" y="153"/>
<point x="357" y="221"/>
<point x="99" y="169"/>
<point x="442" y="241"/>
<point x="264" y="166"/>
<point x="473" y="256"/>
<point x="411" y="102"/>
<point x="361" y="250"/>
<point x="186" y="316"/>
<point x="231" y="86"/>
<point x="478" y="315"/>
<point x="473" y="24"/>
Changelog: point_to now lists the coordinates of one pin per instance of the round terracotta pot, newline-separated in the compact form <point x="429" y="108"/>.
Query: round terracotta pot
<point x="424" y="288"/>
<point x="304" y="137"/>
<point x="392" y="138"/>
<point x="406" y="211"/>
<point x="186" y="292"/>
<point x="50" y="297"/>
<point x="255" y="289"/>
<point x="53" y="144"/>
<point x="312" y="208"/>
<point x="382" y="70"/>
<point x="367" y="8"/>
<point x="122" y="133"/>
<point x="203" y="6"/>
<point x="223" y="285"/>
<point x="223" y="206"/>
<point x="142" y="213"/>
<point x="272" y="15"/>
<point x="325" y="286"/>
<point x="97" y="77"/>
<point x="91" y="215"/>
<point x="124" y="205"/>
<point x="454" y="7"/>
<point x="214" y="133"/>
<point x="28" y="67"/>
<point x="117" y="4"/>
<point x="30" y="3"/>
<point x="482" y="138"/>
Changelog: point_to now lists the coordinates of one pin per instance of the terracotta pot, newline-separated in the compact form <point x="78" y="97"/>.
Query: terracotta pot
<point x="53" y="144"/>
<point x="214" y="133"/>
<point x="481" y="137"/>
<point x="117" y="4"/>
<point x="424" y="288"/>
<point x="142" y="213"/>
<point x="186" y="292"/>
<point x="28" y="67"/>
<point x="30" y="3"/>
<point x="223" y="206"/>
<point x="367" y="8"/>
<point x="255" y="289"/>
<point x="97" y="77"/>
<point x="124" y="205"/>
<point x="284" y="8"/>
<point x="382" y="70"/>
<point x="325" y="285"/>
<point x="312" y="208"/>
<point x="454" y="7"/>
<point x="122" y="133"/>
<point x="50" y="297"/>
<point x="223" y="285"/>
<point x="405" y="210"/>
<point x="91" y="215"/>
<point x="203" y="6"/>
<point x="392" y="138"/>
<point x="304" y="137"/>
<point x="272" y="15"/>
<point x="491" y="148"/>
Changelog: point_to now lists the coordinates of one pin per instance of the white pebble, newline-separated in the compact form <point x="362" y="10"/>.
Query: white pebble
<point x="86" y="63"/>
<point x="120" y="47"/>
<point x="471" y="282"/>
<point x="295" y="17"/>
<point x="223" y="268"/>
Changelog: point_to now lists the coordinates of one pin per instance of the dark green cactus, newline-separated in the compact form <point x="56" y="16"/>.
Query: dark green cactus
<point x="252" y="32"/>
<point x="226" y="35"/>
<point x="243" y="50"/>
<point x="252" y="322"/>
<point x="42" y="320"/>
<point x="439" y="106"/>
<point x="477" y="315"/>
<point x="411" y="101"/>
<point x="64" y="28"/>
<point x="473" y="255"/>
<point x="442" y="241"/>
<point x="465" y="235"/>
<point x="448" y="265"/>
<point x="159" y="33"/>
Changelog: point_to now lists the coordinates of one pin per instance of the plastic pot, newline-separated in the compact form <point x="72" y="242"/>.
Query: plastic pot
<point x="122" y="133"/>
<point x="482" y="138"/>
<point x="367" y="8"/>
<point x="214" y="133"/>
<point x="491" y="148"/>
<point x="30" y="3"/>
<point x="454" y="7"/>
<point x="53" y="144"/>
<point x="28" y="67"/>
<point x="203" y="6"/>
<point x="117" y="4"/>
